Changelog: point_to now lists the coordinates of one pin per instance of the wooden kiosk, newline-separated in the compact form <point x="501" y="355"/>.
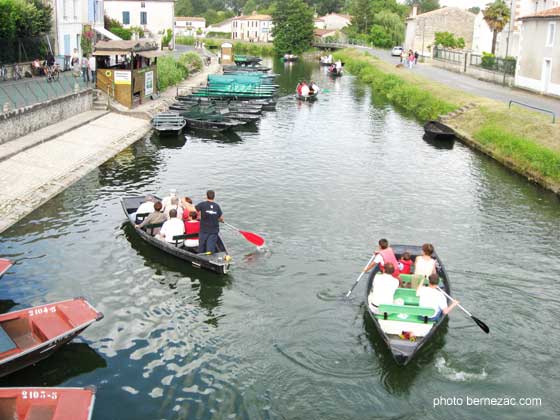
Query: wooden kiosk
<point x="226" y="55"/>
<point x="127" y="70"/>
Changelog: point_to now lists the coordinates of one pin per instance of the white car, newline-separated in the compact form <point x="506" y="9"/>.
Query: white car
<point x="396" y="51"/>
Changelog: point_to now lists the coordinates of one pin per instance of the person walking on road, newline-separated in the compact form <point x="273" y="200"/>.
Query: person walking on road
<point x="210" y="218"/>
<point x="85" y="72"/>
<point x="92" y="68"/>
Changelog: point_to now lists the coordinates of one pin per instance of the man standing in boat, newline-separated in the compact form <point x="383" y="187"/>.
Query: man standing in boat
<point x="210" y="218"/>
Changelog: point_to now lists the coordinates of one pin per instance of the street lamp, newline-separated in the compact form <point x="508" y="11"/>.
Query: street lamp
<point x="511" y="16"/>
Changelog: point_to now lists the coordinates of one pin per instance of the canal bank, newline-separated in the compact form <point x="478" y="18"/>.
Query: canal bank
<point x="525" y="141"/>
<point x="36" y="167"/>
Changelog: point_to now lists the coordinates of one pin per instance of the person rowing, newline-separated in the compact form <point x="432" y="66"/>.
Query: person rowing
<point x="383" y="255"/>
<point x="210" y="217"/>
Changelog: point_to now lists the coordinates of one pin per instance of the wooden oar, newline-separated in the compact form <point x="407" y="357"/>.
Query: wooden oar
<point x="360" y="276"/>
<point x="481" y="324"/>
<point x="250" y="236"/>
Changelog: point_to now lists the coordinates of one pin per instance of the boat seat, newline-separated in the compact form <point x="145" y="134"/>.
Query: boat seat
<point x="412" y="278"/>
<point x="141" y="216"/>
<point x="50" y="325"/>
<point x="150" y="228"/>
<point x="19" y="330"/>
<point x="180" y="239"/>
<point x="416" y="314"/>
<point x="6" y="343"/>
<point x="39" y="412"/>
<point x="407" y="295"/>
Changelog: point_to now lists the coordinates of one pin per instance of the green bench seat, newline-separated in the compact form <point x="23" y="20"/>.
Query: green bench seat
<point x="392" y="312"/>
<point x="407" y="295"/>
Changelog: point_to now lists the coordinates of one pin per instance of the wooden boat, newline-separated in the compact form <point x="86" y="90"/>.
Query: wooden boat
<point x="325" y="63"/>
<point x="168" y="123"/>
<point x="218" y="262"/>
<point x="4" y="266"/>
<point x="308" y="98"/>
<point x="290" y="58"/>
<point x="47" y="403"/>
<point x="334" y="72"/>
<point x="30" y="335"/>
<point x="439" y="130"/>
<point x="405" y="315"/>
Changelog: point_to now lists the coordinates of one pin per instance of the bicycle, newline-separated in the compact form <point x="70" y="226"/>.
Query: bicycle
<point x="52" y="73"/>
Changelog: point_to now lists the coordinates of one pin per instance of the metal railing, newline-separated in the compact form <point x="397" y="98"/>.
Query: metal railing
<point x="448" y="55"/>
<point x="547" y="111"/>
<point x="25" y="92"/>
<point x="497" y="64"/>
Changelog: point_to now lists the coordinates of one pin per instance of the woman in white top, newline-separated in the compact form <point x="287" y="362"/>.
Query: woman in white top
<point x="424" y="264"/>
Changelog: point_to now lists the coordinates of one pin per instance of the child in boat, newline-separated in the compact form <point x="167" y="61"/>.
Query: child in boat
<point x="405" y="263"/>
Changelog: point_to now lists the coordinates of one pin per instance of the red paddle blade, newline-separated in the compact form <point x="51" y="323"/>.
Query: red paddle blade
<point x="253" y="238"/>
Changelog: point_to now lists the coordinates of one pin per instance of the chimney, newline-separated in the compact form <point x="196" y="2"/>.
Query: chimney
<point x="414" y="10"/>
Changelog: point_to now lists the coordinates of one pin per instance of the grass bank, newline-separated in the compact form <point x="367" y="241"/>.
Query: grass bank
<point x="525" y="141"/>
<point x="171" y="70"/>
<point x="239" y="47"/>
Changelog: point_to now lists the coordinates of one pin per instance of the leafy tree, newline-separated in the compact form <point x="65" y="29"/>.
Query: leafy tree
<point x="475" y="10"/>
<point x="447" y="39"/>
<point x="293" y="26"/>
<point x="424" y="5"/>
<point x="387" y="30"/>
<point x="497" y="16"/>
<point x="24" y="18"/>
<point x="183" y="8"/>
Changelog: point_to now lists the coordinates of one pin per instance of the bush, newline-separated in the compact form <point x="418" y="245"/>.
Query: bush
<point x="185" y="40"/>
<point x="448" y="40"/>
<point x="191" y="61"/>
<point x="121" y="32"/>
<point x="224" y="35"/>
<point x="137" y="30"/>
<point x="170" y="72"/>
<point x="166" y="39"/>
<point x="488" y="61"/>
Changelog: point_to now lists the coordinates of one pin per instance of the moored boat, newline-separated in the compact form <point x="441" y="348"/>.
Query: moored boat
<point x="30" y="335"/>
<point x="4" y="266"/>
<point x="218" y="262"/>
<point x="404" y="326"/>
<point x="439" y="130"/>
<point x="290" y="57"/>
<point x="168" y="123"/>
<point x="47" y="403"/>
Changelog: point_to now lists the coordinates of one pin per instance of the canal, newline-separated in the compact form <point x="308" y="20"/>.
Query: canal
<point x="275" y="338"/>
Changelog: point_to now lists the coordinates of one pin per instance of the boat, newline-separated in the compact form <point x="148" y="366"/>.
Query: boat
<point x="405" y="316"/>
<point x="325" y="63"/>
<point x="4" y="266"/>
<point x="47" y="403"/>
<point x="30" y="335"/>
<point x="308" y="98"/>
<point x="218" y="262"/>
<point x="439" y="130"/>
<point x="168" y="123"/>
<point x="290" y="58"/>
<point x="334" y="72"/>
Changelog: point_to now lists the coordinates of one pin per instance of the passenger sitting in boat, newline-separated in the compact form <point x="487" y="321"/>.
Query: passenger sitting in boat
<point x="167" y="200"/>
<point x="338" y="66"/>
<point x="298" y="88"/>
<point x="314" y="87"/>
<point x="383" y="289"/>
<point x="304" y="89"/>
<point x="172" y="227"/>
<point x="192" y="227"/>
<point x="188" y="206"/>
<point x="405" y="263"/>
<point x="431" y="297"/>
<point x="146" y="207"/>
<point x="425" y="264"/>
<point x="384" y="255"/>
<point x="174" y="205"/>
<point x="154" y="218"/>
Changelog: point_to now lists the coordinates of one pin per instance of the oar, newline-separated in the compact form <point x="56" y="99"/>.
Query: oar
<point x="250" y="236"/>
<point x="481" y="324"/>
<point x="360" y="276"/>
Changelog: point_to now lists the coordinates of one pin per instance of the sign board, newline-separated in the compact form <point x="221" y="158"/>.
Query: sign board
<point x="148" y="83"/>
<point x="123" y="77"/>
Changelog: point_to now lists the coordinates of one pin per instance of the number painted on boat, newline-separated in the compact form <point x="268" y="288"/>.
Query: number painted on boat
<point x="42" y="311"/>
<point x="39" y="395"/>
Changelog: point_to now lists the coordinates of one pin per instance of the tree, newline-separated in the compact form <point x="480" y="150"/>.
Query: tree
<point x="474" y="10"/>
<point x="183" y="8"/>
<point x="387" y="30"/>
<point x="497" y="16"/>
<point x="424" y="5"/>
<point x="293" y="26"/>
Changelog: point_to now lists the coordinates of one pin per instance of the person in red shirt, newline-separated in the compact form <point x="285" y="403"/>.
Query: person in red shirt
<point x="405" y="263"/>
<point x="383" y="255"/>
<point x="192" y="227"/>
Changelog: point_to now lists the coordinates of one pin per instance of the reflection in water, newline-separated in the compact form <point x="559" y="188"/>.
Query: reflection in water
<point x="6" y="305"/>
<point x="169" y="141"/>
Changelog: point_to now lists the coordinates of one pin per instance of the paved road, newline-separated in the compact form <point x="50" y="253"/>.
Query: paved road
<point x="474" y="86"/>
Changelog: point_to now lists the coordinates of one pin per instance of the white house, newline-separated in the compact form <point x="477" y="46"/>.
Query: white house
<point x="252" y="27"/>
<point x="223" y="27"/>
<point x="319" y="23"/>
<point x="71" y="16"/>
<point x="334" y="21"/>
<point x="154" y="16"/>
<point x="189" y="26"/>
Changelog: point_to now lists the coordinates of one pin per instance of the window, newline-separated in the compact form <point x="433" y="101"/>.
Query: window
<point x="143" y="4"/>
<point x="143" y="18"/>
<point x="126" y="18"/>
<point x="551" y="34"/>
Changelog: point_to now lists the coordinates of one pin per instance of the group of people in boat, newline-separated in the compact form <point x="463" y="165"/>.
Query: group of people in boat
<point x="336" y="67"/>
<point x="387" y="280"/>
<point x="326" y="59"/>
<point x="304" y="89"/>
<point x="179" y="216"/>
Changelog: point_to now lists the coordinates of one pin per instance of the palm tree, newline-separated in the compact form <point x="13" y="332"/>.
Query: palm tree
<point x="497" y="16"/>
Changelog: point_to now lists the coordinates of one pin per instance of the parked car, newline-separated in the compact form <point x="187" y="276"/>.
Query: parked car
<point x="397" y="51"/>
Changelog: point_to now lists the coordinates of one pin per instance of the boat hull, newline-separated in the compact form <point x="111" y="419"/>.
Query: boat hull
<point x="4" y="266"/>
<point x="438" y="130"/>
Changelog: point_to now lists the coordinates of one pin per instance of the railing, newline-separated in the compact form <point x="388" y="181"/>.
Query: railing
<point x="448" y="55"/>
<point x="25" y="92"/>
<point x="535" y="107"/>
<point x="488" y="62"/>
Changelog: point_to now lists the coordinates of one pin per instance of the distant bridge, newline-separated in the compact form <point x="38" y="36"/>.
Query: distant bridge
<point x="338" y="45"/>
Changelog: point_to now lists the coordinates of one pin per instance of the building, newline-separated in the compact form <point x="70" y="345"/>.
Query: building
<point x="154" y="16"/>
<point x="189" y="26"/>
<point x="253" y="27"/>
<point x="319" y="23"/>
<point x="221" y="28"/>
<point x="335" y="21"/>
<point x="71" y="17"/>
<point x="538" y="63"/>
<point x="421" y="29"/>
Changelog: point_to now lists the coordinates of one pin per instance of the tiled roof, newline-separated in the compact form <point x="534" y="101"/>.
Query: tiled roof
<point x="438" y="11"/>
<point x="190" y="18"/>
<point x="253" y="17"/>
<point x="544" y="14"/>
<point x="323" y="32"/>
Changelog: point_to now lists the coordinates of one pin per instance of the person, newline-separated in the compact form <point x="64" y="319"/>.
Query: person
<point x="167" y="200"/>
<point x="147" y="206"/>
<point x="424" y="264"/>
<point x="37" y="69"/>
<point x="431" y="297"/>
<point x="154" y="218"/>
<point x="405" y="263"/>
<point x="314" y="87"/>
<point x="171" y="228"/>
<point x="50" y="59"/>
<point x="383" y="256"/>
<point x="92" y="68"/>
<point x="416" y="55"/>
<point x="85" y="73"/>
<point x="330" y="58"/>
<point x="410" y="59"/>
<point x="192" y="227"/>
<point x="298" y="88"/>
<point x="187" y="205"/>
<point x="174" y="205"/>
<point x="304" y="89"/>
<point x="403" y="56"/>
<point x="210" y="216"/>
<point x="338" y="66"/>
<point x="384" y="287"/>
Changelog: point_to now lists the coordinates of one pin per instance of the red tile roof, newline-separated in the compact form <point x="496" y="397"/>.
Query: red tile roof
<point x="545" y="14"/>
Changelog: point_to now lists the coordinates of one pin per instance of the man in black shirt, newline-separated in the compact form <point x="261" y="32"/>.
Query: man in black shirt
<point x="210" y="218"/>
